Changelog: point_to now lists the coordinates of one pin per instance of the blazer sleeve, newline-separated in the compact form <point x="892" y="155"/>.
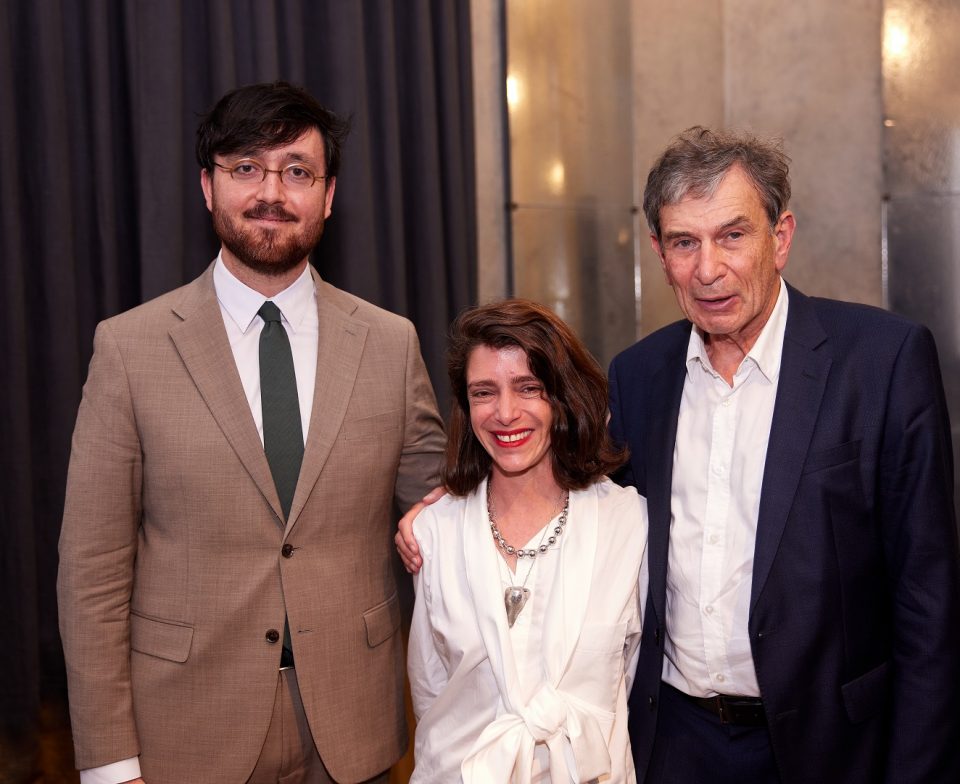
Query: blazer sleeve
<point x="423" y="438"/>
<point x="98" y="546"/>
<point x="624" y="475"/>
<point x="917" y="519"/>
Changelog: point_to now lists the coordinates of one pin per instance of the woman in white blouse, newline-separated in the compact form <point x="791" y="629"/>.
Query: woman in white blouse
<point x="528" y="603"/>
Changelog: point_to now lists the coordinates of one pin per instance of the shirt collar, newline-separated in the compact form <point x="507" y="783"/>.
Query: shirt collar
<point x="766" y="352"/>
<point x="242" y="303"/>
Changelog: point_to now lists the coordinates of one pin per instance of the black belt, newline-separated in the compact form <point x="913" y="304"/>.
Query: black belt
<point x="745" y="711"/>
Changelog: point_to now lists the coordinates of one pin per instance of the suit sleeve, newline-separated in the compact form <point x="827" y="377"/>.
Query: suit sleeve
<point x="98" y="546"/>
<point x="916" y="509"/>
<point x="423" y="438"/>
<point x="624" y="475"/>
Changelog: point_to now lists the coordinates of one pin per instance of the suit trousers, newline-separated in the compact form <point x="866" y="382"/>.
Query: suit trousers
<point x="289" y="755"/>
<point x="692" y="746"/>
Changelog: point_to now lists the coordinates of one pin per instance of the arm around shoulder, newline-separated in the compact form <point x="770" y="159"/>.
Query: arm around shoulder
<point x="423" y="438"/>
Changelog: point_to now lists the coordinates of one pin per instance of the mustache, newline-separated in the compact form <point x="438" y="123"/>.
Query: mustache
<point x="269" y="212"/>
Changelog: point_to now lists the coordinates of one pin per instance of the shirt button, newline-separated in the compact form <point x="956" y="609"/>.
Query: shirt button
<point x="720" y="677"/>
<point x="714" y="538"/>
<point x="708" y="609"/>
<point x="726" y="402"/>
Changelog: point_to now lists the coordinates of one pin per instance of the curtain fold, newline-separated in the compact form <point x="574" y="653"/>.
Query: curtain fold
<point x="101" y="209"/>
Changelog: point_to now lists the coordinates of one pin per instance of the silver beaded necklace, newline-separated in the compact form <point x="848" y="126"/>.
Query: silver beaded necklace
<point x="515" y="596"/>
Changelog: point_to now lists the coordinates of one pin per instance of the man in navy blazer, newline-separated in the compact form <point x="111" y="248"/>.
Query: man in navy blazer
<point x="803" y="619"/>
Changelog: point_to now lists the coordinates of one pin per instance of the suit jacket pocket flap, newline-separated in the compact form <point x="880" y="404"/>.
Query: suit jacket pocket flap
<point x="163" y="639"/>
<point x="866" y="695"/>
<point x="382" y="621"/>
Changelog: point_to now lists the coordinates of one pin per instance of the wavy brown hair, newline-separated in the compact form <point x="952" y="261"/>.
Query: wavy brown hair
<point x="574" y="385"/>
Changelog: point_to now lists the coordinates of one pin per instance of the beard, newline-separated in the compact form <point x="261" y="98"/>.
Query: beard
<point x="267" y="251"/>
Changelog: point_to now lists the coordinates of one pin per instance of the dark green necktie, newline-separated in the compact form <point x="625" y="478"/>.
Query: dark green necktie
<point x="282" y="432"/>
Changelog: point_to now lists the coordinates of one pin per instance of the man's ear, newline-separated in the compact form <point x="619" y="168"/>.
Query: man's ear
<point x="655" y="244"/>
<point x="206" y="183"/>
<point x="328" y="205"/>
<point x="783" y="234"/>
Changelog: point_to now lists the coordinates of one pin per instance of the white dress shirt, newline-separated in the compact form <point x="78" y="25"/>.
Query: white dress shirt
<point x="544" y="700"/>
<point x="298" y="307"/>
<point x="239" y="305"/>
<point x="718" y="463"/>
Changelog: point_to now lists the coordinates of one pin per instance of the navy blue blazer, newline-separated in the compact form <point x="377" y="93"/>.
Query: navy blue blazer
<point x="855" y="606"/>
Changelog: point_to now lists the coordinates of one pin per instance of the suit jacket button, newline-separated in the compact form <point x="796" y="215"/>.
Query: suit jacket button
<point x="652" y="701"/>
<point x="287" y="550"/>
<point x="272" y="636"/>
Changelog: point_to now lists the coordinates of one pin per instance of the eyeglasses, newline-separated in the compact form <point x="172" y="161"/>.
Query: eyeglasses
<point x="249" y="171"/>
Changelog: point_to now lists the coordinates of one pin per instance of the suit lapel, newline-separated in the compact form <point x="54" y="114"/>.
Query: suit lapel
<point x="202" y="343"/>
<point x="804" y="368"/>
<point x="339" y="350"/>
<point x="663" y="414"/>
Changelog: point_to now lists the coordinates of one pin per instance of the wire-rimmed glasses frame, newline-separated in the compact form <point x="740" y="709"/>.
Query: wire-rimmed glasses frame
<point x="250" y="171"/>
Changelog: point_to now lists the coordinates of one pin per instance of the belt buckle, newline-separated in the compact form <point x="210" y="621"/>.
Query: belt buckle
<point x="722" y="710"/>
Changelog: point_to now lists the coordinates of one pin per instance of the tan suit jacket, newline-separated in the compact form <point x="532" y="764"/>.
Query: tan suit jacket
<point x="172" y="565"/>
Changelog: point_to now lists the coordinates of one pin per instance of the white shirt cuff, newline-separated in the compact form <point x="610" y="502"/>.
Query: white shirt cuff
<point x="114" y="773"/>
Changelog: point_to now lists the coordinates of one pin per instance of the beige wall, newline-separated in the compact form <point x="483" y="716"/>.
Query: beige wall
<point x="808" y="72"/>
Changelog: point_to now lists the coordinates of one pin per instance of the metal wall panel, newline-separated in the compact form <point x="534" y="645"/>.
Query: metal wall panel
<point x="921" y="63"/>
<point x="570" y="108"/>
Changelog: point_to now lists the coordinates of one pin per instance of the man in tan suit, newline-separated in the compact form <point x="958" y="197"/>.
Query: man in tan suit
<point x="218" y="628"/>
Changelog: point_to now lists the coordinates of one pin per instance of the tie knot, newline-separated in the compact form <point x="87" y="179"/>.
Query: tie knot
<point x="269" y="312"/>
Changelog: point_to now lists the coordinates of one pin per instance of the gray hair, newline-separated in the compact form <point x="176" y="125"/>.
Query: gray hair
<point x="698" y="159"/>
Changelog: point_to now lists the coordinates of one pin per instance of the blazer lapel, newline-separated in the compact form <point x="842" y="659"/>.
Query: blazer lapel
<point x="201" y="340"/>
<point x="659" y="447"/>
<point x="340" y="345"/>
<point x="804" y="368"/>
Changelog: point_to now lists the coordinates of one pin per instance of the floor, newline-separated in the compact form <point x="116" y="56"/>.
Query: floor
<point x="44" y="757"/>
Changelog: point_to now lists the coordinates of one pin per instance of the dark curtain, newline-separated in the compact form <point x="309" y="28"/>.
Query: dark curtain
<point x="101" y="209"/>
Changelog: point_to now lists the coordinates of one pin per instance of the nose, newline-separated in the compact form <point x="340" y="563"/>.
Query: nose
<point x="710" y="266"/>
<point x="507" y="408"/>
<point x="271" y="188"/>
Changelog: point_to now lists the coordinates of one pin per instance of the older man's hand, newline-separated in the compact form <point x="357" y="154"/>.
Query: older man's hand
<point x="404" y="539"/>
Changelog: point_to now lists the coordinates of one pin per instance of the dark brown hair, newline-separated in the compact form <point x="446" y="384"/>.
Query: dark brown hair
<point x="574" y="386"/>
<point x="698" y="159"/>
<point x="263" y="116"/>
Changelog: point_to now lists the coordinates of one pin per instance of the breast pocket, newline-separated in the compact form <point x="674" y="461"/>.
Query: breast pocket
<point x="371" y="427"/>
<point x="823" y="459"/>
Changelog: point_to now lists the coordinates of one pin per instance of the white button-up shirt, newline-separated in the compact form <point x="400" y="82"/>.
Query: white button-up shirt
<point x="718" y="463"/>
<point x="298" y="308"/>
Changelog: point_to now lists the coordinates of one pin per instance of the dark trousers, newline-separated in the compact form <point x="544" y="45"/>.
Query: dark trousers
<point x="692" y="746"/>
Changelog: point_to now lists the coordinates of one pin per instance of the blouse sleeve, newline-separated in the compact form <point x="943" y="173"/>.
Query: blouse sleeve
<point x="425" y="668"/>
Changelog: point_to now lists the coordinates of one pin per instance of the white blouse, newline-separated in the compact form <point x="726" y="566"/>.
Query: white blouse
<point x="546" y="699"/>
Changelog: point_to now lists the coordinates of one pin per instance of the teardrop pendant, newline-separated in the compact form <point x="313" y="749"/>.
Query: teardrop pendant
<point x="514" y="598"/>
